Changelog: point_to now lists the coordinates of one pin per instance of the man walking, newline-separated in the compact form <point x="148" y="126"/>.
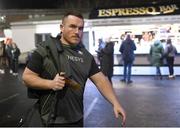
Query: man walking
<point x="76" y="65"/>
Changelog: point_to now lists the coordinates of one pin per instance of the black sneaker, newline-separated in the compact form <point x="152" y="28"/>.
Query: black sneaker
<point x="123" y="80"/>
<point x="129" y="82"/>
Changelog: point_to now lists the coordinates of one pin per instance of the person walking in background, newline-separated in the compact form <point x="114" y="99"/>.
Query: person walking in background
<point x="156" y="57"/>
<point x="107" y="59"/>
<point x="15" y="52"/>
<point x="75" y="67"/>
<point x="169" y="53"/>
<point x="2" y="57"/>
<point x="101" y="45"/>
<point x="127" y="49"/>
<point x="8" y="48"/>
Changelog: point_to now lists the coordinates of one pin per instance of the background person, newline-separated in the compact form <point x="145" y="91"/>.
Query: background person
<point x="81" y="65"/>
<point x="156" y="57"/>
<point x="2" y="57"/>
<point x="15" y="53"/>
<point x="127" y="49"/>
<point x="8" y="49"/>
<point x="170" y="52"/>
<point x="107" y="59"/>
<point x="101" y="45"/>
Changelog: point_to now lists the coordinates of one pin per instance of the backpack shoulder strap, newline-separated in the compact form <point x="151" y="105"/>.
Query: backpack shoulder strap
<point x="47" y="59"/>
<point x="51" y="44"/>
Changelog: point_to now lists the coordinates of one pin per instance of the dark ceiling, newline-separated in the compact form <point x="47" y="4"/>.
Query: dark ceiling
<point x="15" y="10"/>
<point x="57" y="4"/>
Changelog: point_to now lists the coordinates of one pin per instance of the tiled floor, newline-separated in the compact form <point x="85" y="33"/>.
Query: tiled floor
<point x="148" y="102"/>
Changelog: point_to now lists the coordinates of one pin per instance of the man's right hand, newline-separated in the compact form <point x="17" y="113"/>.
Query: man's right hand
<point x="58" y="82"/>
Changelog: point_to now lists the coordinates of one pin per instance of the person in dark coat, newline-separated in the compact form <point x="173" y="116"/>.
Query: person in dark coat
<point x="2" y="57"/>
<point x="127" y="50"/>
<point x="107" y="60"/>
<point x="101" y="45"/>
<point x="15" y="52"/>
<point x="8" y="49"/>
<point x="170" y="53"/>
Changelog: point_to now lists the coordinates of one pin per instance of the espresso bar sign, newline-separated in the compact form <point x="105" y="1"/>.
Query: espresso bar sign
<point x="136" y="11"/>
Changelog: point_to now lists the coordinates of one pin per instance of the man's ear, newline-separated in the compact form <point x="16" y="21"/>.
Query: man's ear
<point x="61" y="26"/>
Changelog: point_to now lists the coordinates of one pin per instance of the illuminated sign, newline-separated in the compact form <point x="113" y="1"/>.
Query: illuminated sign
<point x="135" y="11"/>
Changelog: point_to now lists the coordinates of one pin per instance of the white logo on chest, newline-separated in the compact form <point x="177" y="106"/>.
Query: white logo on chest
<point x="75" y="59"/>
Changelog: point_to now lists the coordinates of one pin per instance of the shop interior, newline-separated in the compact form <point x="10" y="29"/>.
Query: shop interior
<point x="143" y="36"/>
